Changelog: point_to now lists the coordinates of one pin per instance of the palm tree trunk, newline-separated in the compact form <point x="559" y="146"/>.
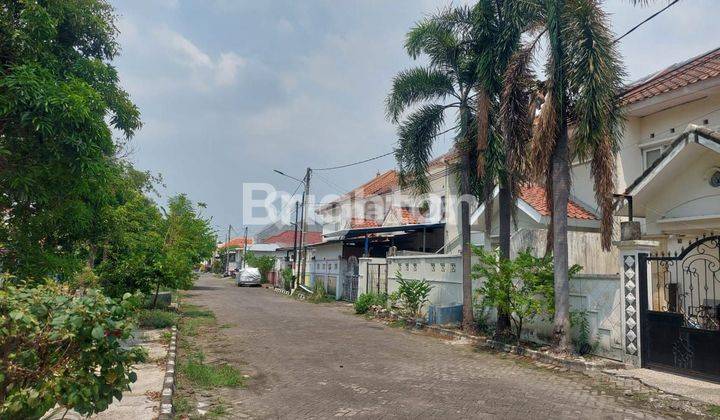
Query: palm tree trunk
<point x="468" y="316"/>
<point x="560" y="196"/>
<point x="503" y="323"/>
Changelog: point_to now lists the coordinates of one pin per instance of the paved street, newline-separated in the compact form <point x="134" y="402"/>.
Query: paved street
<point x="320" y="361"/>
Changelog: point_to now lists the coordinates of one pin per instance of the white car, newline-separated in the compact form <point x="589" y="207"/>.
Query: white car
<point x="248" y="276"/>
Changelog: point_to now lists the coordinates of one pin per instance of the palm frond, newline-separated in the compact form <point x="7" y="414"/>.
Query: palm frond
<point x="594" y="77"/>
<point x="416" y="136"/>
<point x="434" y="37"/>
<point x="416" y="85"/>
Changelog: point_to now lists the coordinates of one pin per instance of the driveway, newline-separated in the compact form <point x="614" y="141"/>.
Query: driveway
<point x="321" y="361"/>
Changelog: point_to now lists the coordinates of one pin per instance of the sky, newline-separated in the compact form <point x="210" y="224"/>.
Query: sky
<point x="231" y="89"/>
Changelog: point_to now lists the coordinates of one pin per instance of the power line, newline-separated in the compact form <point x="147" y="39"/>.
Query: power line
<point x="645" y="21"/>
<point x="354" y="163"/>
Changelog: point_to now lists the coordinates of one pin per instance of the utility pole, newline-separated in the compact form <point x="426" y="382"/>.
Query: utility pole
<point x="303" y="224"/>
<point x="227" y="251"/>
<point x="244" y="248"/>
<point x="295" y="238"/>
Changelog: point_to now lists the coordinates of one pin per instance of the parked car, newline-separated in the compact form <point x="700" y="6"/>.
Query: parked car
<point x="248" y="276"/>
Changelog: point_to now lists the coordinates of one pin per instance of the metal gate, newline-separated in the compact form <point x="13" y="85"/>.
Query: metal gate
<point x="376" y="278"/>
<point x="350" y="280"/>
<point x="680" y="309"/>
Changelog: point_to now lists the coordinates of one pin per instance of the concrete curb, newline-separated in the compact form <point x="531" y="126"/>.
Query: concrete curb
<point x="166" y="404"/>
<point x="576" y="365"/>
<point x="282" y="291"/>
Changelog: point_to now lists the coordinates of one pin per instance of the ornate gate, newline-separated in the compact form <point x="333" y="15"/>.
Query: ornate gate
<point x="680" y="306"/>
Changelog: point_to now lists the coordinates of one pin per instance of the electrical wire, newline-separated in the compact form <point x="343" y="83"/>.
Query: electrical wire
<point x="644" y="21"/>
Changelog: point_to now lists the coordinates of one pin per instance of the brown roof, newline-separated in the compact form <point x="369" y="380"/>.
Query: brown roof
<point x="535" y="196"/>
<point x="410" y="216"/>
<point x="236" y="242"/>
<point x="357" y="223"/>
<point x="287" y="238"/>
<point x="696" y="69"/>
<point x="383" y="183"/>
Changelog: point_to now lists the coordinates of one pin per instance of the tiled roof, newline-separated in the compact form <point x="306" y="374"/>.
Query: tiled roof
<point x="287" y="238"/>
<point x="383" y="183"/>
<point x="356" y="223"/>
<point x="410" y="216"/>
<point x="696" y="69"/>
<point x="236" y="242"/>
<point x="534" y="195"/>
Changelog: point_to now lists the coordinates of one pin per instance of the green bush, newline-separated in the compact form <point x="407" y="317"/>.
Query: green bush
<point x="366" y="300"/>
<point x="156" y="318"/>
<point x="287" y="276"/>
<point x="61" y="346"/>
<point x="413" y="294"/>
<point x="522" y="287"/>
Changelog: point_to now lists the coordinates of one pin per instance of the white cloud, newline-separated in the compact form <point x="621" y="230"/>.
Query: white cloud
<point x="227" y="68"/>
<point x="223" y="71"/>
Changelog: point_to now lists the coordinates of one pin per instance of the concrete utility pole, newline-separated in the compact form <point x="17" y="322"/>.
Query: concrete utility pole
<point x="244" y="248"/>
<point x="295" y="238"/>
<point x="227" y="251"/>
<point x="303" y="227"/>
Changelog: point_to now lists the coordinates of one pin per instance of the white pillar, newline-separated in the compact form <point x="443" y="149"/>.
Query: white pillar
<point x="630" y="291"/>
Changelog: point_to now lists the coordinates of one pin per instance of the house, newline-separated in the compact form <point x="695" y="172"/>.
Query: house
<point x="234" y="247"/>
<point x="662" y="288"/>
<point x="370" y="221"/>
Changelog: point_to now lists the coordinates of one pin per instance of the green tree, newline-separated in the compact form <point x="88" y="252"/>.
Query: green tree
<point x="584" y="73"/>
<point x="444" y="84"/>
<point x="60" y="101"/>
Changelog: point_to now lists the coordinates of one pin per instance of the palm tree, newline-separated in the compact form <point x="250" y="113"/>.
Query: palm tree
<point x="584" y="74"/>
<point x="497" y="30"/>
<point x="445" y="84"/>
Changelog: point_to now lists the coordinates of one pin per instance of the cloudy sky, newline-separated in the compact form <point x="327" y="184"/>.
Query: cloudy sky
<point x="231" y="89"/>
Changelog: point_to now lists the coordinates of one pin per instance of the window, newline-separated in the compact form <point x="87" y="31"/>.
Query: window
<point x="651" y="155"/>
<point x="442" y="208"/>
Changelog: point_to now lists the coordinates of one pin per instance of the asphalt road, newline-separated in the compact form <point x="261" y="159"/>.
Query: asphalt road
<point x="321" y="361"/>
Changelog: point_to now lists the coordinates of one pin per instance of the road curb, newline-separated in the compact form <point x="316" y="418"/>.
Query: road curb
<point x="166" y="403"/>
<point x="576" y="365"/>
<point x="280" y="290"/>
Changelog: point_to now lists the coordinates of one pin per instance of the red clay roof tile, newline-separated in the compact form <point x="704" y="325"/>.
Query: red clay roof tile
<point x="534" y="195"/>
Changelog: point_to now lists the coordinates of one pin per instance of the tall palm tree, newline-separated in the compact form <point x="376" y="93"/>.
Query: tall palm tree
<point x="497" y="29"/>
<point x="584" y="74"/>
<point x="444" y="85"/>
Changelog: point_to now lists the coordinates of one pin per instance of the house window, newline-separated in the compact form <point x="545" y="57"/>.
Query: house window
<point x="651" y="155"/>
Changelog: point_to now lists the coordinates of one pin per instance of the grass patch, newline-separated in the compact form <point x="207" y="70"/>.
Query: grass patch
<point x="182" y="405"/>
<point x="398" y="323"/>
<point x="156" y="318"/>
<point x="225" y="326"/>
<point x="714" y="410"/>
<point x="208" y="376"/>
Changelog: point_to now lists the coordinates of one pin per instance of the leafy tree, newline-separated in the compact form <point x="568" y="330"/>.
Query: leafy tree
<point x="584" y="74"/>
<point x="59" y="102"/>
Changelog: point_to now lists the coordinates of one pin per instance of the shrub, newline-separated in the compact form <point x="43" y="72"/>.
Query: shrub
<point x="216" y="267"/>
<point x="363" y="303"/>
<point x="156" y="318"/>
<point x="63" y="347"/>
<point x="264" y="264"/>
<point x="413" y="294"/>
<point x="319" y="294"/>
<point x="581" y="339"/>
<point x="522" y="287"/>
<point x="367" y="300"/>
<point x="287" y="276"/>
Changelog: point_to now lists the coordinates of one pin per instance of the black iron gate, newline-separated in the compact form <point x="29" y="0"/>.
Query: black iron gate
<point x="680" y="309"/>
